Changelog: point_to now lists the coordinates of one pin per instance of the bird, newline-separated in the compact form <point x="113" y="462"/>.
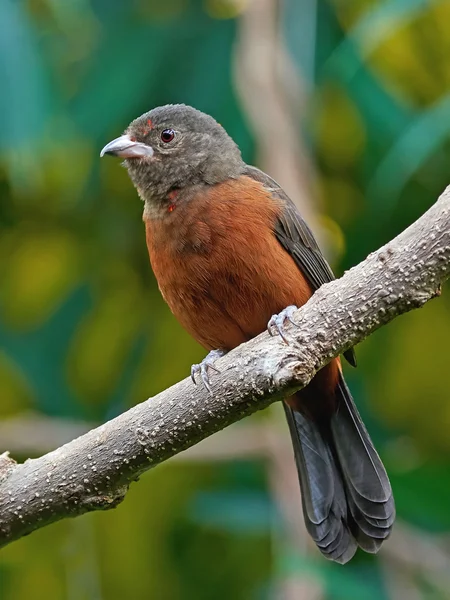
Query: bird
<point x="233" y="257"/>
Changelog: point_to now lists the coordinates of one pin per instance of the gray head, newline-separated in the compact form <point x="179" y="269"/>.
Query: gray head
<point x="175" y="147"/>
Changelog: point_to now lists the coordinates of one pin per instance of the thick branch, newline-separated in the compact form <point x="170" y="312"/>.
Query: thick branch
<point x="93" y="472"/>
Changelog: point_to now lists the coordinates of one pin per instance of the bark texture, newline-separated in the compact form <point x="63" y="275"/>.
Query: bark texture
<point x="94" y="471"/>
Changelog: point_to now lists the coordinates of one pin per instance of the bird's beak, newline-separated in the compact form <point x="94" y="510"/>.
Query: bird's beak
<point x="125" y="147"/>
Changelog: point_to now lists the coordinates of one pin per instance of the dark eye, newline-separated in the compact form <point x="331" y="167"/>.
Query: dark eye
<point x="167" y="135"/>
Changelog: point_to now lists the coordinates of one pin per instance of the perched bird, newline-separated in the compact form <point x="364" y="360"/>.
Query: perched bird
<point x="229" y="250"/>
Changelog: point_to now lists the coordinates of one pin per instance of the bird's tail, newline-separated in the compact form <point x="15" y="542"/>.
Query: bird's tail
<point x="346" y="495"/>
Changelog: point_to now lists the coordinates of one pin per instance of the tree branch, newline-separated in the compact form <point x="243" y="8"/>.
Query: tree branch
<point x="94" y="471"/>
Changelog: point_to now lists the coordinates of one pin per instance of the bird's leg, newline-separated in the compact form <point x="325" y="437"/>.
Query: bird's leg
<point x="206" y="364"/>
<point x="276" y="322"/>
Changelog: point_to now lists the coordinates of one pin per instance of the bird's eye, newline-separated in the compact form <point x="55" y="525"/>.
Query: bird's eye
<point x="167" y="135"/>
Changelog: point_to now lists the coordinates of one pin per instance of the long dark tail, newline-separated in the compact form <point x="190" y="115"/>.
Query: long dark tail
<point x="346" y="495"/>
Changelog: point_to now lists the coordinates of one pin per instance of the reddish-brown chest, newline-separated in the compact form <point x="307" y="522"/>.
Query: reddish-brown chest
<point x="219" y="265"/>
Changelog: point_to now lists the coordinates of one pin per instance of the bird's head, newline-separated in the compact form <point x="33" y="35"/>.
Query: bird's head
<point x="175" y="147"/>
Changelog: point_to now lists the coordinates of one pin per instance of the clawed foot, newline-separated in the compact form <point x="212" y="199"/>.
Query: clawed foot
<point x="203" y="367"/>
<point x="276" y="322"/>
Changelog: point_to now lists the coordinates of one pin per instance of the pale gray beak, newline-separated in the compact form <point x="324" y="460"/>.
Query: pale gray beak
<point x="125" y="147"/>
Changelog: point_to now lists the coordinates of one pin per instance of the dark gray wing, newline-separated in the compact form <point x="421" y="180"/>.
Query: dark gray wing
<point x="296" y="238"/>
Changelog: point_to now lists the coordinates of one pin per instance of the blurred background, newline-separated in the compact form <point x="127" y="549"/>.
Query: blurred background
<point x="347" y="104"/>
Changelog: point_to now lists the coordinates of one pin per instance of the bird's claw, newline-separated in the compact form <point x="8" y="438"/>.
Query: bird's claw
<point x="276" y="322"/>
<point x="203" y="368"/>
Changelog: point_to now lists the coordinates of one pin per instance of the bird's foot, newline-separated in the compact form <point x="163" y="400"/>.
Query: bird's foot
<point x="203" y="368"/>
<point x="276" y="322"/>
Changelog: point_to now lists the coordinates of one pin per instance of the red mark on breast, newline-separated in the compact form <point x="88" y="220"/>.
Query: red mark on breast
<point x="171" y="196"/>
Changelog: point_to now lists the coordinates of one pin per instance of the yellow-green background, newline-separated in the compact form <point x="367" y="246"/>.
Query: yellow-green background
<point x="84" y="333"/>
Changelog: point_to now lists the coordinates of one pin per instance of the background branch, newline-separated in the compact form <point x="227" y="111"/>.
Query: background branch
<point x="273" y="96"/>
<point x="93" y="472"/>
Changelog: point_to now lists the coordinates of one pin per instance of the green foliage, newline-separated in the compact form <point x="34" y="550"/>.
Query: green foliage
<point x="84" y="332"/>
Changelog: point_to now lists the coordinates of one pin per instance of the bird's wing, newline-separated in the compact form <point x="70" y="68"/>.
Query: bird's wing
<point x="296" y="238"/>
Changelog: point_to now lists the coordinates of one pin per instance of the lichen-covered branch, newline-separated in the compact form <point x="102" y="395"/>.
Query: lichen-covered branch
<point x="94" y="471"/>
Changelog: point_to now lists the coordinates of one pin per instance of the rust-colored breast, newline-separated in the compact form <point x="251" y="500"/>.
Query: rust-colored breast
<point x="219" y="266"/>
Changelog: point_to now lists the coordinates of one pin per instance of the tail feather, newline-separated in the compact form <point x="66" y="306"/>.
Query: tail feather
<point x="372" y="504"/>
<point x="323" y="496"/>
<point x="368" y="477"/>
<point x="346" y="495"/>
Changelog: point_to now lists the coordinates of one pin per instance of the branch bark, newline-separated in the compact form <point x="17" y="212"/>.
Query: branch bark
<point x="94" y="471"/>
